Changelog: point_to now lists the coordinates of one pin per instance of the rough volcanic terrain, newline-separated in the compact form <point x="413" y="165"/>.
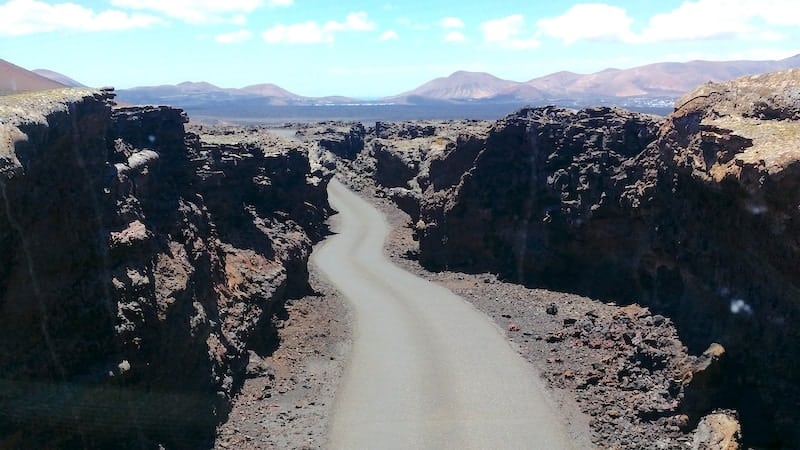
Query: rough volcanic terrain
<point x="584" y="241"/>
<point x="610" y="365"/>
<point x="141" y="267"/>
<point x="694" y="216"/>
<point x="287" y="397"/>
<point x="155" y="288"/>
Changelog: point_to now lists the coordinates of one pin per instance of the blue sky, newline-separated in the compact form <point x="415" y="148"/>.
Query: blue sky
<point x="382" y="47"/>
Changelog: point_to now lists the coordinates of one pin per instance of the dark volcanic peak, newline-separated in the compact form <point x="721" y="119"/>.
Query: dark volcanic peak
<point x="184" y="87"/>
<point x="460" y="85"/>
<point x="181" y="94"/>
<point x="58" y="77"/>
<point x="198" y="86"/>
<point x="16" y="79"/>
<point x="269" y="90"/>
<point x="337" y="99"/>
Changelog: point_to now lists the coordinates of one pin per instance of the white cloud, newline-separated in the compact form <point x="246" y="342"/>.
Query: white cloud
<point x="451" y="22"/>
<point x="416" y="26"/>
<point x="750" y="20"/>
<point x="455" y="36"/>
<point x="234" y="37"/>
<point x="353" y="22"/>
<point x="508" y="32"/>
<point x="752" y="54"/>
<point x="779" y="12"/>
<point x="421" y="71"/>
<point x="762" y="54"/>
<point x="747" y="20"/>
<point x="769" y="35"/>
<point x="312" y="32"/>
<point x="199" y="11"/>
<point x="390" y="35"/>
<point x="298" y="33"/>
<point x="588" y="21"/>
<point x="690" y="21"/>
<point x="20" y="17"/>
<point x="732" y="19"/>
<point x="279" y="3"/>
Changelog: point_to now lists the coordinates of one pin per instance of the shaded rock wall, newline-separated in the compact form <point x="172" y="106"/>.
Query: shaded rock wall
<point x="420" y="154"/>
<point x="720" y="189"/>
<point x="540" y="175"/>
<point x="697" y="216"/>
<point x="138" y="264"/>
<point x="343" y="139"/>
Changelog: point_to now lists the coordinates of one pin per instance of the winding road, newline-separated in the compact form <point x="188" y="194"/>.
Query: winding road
<point x="426" y="370"/>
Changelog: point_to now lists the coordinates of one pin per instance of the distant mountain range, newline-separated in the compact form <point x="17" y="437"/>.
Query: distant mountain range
<point x="652" y="80"/>
<point x="201" y="93"/>
<point x="643" y="85"/>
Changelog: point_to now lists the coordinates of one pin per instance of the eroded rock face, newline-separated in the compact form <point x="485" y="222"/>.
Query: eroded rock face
<point x="345" y="140"/>
<point x="718" y="431"/>
<point x="138" y="266"/>
<point x="697" y="217"/>
<point x="722" y="183"/>
<point x="416" y="155"/>
<point x="523" y="205"/>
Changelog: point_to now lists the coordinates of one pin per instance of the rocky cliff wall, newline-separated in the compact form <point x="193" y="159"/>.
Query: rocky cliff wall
<point x="697" y="216"/>
<point x="720" y="190"/>
<point x="138" y="265"/>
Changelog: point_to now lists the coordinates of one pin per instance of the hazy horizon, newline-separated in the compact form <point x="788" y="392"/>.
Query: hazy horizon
<point x="371" y="49"/>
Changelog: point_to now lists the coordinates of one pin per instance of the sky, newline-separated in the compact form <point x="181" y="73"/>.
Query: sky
<point x="374" y="48"/>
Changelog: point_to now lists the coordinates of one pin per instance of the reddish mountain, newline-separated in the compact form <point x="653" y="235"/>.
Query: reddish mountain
<point x="16" y="79"/>
<point x="653" y="80"/>
<point x="660" y="79"/>
<point x="553" y="83"/>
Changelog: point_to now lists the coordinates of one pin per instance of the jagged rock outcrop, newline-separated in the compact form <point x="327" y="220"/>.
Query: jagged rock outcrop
<point x="343" y="139"/>
<point x="138" y="266"/>
<point x="718" y="431"/>
<point x="415" y="155"/>
<point x="697" y="217"/>
<point x="537" y="178"/>
<point x="721" y="190"/>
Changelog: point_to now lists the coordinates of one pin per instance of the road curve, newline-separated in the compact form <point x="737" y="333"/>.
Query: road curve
<point x="426" y="370"/>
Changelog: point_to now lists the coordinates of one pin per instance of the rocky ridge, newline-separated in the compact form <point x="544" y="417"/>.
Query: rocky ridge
<point x="140" y="266"/>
